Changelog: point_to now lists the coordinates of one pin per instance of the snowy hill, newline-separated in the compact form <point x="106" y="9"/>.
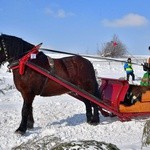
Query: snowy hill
<point x="63" y="117"/>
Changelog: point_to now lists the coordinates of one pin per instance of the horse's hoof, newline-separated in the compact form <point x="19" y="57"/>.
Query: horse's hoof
<point x="30" y="128"/>
<point x="19" y="132"/>
<point x="94" y="123"/>
<point x="30" y="125"/>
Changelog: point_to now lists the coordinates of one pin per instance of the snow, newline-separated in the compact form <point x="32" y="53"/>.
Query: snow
<point x="64" y="116"/>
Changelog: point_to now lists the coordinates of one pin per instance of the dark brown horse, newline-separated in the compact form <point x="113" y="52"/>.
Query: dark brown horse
<point x="75" y="69"/>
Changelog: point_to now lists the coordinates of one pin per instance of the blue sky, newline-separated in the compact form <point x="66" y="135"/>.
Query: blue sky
<point x="79" y="26"/>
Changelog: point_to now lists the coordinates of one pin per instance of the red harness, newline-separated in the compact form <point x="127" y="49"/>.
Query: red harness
<point x="25" y="58"/>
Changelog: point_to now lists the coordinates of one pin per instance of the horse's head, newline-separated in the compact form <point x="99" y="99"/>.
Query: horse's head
<point x="12" y="48"/>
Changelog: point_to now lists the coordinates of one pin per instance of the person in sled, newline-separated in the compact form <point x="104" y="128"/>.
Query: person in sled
<point x="129" y="70"/>
<point x="146" y="77"/>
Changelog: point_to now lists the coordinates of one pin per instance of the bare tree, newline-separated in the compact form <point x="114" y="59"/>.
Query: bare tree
<point x="114" y="48"/>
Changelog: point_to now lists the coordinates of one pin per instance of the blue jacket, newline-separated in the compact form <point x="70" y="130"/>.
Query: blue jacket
<point x="128" y="68"/>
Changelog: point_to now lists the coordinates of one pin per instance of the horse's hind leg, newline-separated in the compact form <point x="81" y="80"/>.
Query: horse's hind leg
<point x="27" y="116"/>
<point x="95" y="119"/>
<point x="89" y="115"/>
<point x="92" y="114"/>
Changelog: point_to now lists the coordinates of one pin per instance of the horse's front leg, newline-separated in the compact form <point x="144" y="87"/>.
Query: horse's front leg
<point x="30" y="120"/>
<point x="27" y="116"/>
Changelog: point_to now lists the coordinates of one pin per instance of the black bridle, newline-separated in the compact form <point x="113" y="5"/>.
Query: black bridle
<point x="5" y="49"/>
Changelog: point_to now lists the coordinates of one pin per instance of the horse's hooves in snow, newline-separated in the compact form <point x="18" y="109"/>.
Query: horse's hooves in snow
<point x="19" y="132"/>
<point x="94" y="123"/>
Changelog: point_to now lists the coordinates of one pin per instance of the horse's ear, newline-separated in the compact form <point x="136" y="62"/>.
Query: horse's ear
<point x="149" y="47"/>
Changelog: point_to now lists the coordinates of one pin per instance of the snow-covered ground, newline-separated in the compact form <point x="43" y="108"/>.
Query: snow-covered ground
<point x="64" y="116"/>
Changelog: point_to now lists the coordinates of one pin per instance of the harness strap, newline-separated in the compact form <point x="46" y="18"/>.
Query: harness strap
<point x="69" y="64"/>
<point x="51" y="70"/>
<point x="45" y="82"/>
<point x="51" y="64"/>
<point x="25" y="58"/>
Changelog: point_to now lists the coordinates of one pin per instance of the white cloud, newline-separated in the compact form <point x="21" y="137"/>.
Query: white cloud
<point x="130" y="20"/>
<point x="60" y="13"/>
<point x="48" y="11"/>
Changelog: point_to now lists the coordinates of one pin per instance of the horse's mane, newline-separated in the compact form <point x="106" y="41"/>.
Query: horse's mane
<point x="16" y="46"/>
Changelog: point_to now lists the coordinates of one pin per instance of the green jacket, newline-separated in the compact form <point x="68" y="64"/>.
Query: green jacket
<point x="145" y="80"/>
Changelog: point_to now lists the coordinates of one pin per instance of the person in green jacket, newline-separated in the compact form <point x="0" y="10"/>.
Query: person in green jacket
<point x="146" y="77"/>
